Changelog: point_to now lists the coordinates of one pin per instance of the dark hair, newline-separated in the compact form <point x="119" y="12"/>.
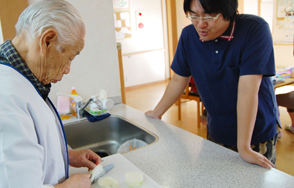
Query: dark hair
<point x="228" y="8"/>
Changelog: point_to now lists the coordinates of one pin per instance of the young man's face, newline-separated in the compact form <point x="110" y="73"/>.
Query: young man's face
<point x="208" y="30"/>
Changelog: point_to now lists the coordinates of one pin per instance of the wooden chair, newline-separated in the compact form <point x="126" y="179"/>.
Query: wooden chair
<point x="191" y="96"/>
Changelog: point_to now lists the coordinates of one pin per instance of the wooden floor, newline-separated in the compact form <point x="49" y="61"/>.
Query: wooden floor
<point x="146" y="97"/>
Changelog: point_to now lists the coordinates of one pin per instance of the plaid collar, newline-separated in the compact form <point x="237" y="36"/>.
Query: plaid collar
<point x="229" y="33"/>
<point x="9" y="55"/>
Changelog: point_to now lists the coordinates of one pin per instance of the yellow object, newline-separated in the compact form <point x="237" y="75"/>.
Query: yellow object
<point x="74" y="91"/>
<point x="73" y="103"/>
<point x="64" y="117"/>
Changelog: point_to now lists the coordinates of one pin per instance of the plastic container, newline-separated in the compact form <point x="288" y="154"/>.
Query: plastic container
<point x="63" y="107"/>
<point x="94" y="107"/>
<point x="73" y="105"/>
<point x="131" y="145"/>
<point x="106" y="104"/>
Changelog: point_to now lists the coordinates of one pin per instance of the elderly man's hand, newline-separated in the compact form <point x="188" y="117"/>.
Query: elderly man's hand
<point x="83" y="158"/>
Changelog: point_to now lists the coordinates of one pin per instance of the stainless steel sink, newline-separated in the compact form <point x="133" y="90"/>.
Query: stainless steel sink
<point x="106" y="136"/>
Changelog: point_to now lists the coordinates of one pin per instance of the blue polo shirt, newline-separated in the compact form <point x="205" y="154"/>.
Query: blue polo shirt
<point x="246" y="48"/>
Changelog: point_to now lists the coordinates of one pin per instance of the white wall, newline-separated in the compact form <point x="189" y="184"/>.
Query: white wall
<point x="97" y="66"/>
<point x="144" y="68"/>
<point x="266" y="9"/>
<point x="151" y="36"/>
<point x="251" y="7"/>
<point x="150" y="66"/>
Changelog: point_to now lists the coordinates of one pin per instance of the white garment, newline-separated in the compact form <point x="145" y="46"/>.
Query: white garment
<point x="33" y="149"/>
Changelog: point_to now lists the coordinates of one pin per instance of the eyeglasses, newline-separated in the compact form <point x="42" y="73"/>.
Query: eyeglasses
<point x="204" y="19"/>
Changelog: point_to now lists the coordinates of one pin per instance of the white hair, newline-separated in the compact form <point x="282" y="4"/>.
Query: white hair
<point x="57" y="14"/>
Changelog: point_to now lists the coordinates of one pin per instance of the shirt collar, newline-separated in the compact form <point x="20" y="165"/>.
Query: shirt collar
<point x="10" y="56"/>
<point x="229" y="33"/>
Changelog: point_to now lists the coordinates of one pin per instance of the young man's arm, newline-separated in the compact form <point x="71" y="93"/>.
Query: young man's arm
<point x="247" y="105"/>
<point x="172" y="93"/>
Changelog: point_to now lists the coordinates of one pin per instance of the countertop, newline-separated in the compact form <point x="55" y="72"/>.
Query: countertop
<point x="180" y="159"/>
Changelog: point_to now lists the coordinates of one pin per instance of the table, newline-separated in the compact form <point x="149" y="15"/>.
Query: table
<point x="288" y="81"/>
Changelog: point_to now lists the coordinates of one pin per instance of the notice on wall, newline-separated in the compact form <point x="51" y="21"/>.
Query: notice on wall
<point x="283" y="6"/>
<point x="121" y="4"/>
<point x="283" y="25"/>
<point x="122" y="23"/>
<point x="289" y="28"/>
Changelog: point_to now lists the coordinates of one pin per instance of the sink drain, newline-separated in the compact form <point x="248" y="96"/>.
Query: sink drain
<point x="102" y="153"/>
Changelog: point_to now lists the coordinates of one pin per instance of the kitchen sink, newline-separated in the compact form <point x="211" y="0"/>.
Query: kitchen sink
<point x="104" y="137"/>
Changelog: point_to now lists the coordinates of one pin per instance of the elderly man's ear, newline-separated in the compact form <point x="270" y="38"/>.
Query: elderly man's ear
<point x="49" y="37"/>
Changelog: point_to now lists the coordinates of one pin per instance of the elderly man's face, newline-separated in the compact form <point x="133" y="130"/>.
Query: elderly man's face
<point x="56" y="63"/>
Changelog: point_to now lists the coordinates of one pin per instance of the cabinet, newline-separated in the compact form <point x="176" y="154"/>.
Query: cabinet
<point x="9" y="13"/>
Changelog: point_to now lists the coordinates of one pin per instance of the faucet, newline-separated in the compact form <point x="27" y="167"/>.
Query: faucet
<point x="81" y="107"/>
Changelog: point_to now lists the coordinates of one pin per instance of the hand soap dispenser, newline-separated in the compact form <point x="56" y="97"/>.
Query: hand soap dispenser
<point x="73" y="105"/>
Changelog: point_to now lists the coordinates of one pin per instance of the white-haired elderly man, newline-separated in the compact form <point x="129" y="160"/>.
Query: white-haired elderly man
<point x="33" y="148"/>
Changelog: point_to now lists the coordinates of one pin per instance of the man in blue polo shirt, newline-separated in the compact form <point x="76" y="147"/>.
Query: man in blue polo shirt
<point x="231" y="59"/>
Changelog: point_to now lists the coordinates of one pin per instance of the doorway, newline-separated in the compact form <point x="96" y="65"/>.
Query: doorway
<point x="145" y="54"/>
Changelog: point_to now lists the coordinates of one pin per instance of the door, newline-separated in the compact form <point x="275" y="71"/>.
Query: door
<point x="144" y="54"/>
<point x="9" y="13"/>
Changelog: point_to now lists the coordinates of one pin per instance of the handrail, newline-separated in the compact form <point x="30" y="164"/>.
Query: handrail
<point x="142" y="52"/>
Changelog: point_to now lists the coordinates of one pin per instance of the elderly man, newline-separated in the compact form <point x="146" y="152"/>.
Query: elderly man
<point x="33" y="148"/>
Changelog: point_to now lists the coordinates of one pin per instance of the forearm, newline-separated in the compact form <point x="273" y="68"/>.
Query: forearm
<point x="172" y="93"/>
<point x="76" y="181"/>
<point x="246" y="115"/>
<point x="70" y="155"/>
<point x="247" y="105"/>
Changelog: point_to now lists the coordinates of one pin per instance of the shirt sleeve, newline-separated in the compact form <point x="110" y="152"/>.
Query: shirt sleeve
<point x="180" y="62"/>
<point x="258" y="54"/>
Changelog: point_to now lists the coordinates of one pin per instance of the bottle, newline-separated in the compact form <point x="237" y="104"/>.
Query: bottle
<point x="73" y="105"/>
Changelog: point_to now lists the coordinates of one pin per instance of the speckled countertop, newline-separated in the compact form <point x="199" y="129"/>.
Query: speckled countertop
<point x="180" y="159"/>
